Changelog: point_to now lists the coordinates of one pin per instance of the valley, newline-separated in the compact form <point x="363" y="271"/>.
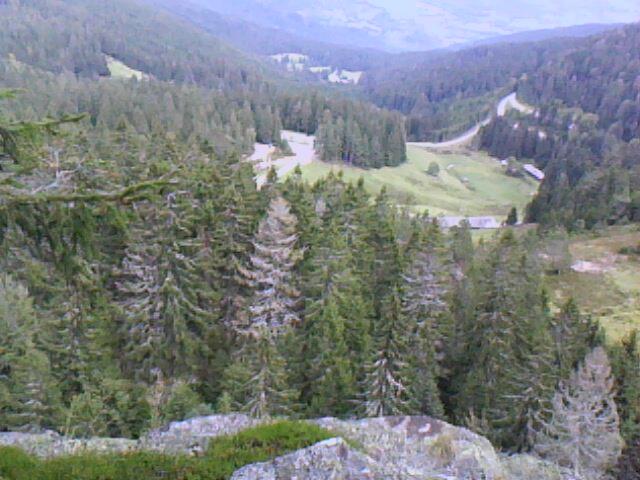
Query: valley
<point x="191" y="287"/>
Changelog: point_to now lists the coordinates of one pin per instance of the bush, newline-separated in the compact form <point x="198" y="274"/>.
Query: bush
<point x="434" y="169"/>
<point x="224" y="456"/>
<point x="630" y="250"/>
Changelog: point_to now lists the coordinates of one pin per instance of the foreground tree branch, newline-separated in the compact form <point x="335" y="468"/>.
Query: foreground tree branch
<point x="125" y="195"/>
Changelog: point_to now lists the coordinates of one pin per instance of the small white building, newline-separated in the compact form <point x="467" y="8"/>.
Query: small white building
<point x="534" y="172"/>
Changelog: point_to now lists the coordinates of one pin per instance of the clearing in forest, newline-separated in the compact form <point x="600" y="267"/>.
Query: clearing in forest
<point x="117" y="69"/>
<point x="467" y="183"/>
<point x="604" y="278"/>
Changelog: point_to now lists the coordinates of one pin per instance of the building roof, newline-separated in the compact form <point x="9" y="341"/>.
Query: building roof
<point x="534" y="172"/>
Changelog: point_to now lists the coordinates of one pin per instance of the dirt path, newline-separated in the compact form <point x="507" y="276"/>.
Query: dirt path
<point x="510" y="101"/>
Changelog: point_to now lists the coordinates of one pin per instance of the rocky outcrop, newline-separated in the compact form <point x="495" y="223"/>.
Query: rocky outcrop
<point x="194" y="434"/>
<point x="51" y="444"/>
<point x="187" y="437"/>
<point x="332" y="459"/>
<point x="421" y="447"/>
<point x="398" y="448"/>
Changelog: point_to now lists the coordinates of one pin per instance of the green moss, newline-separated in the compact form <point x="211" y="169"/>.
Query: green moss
<point x="224" y="456"/>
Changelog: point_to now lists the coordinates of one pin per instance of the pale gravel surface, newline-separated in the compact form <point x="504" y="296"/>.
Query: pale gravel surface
<point x="303" y="150"/>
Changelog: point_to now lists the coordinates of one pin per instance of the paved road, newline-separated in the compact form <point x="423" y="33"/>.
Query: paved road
<point x="510" y="101"/>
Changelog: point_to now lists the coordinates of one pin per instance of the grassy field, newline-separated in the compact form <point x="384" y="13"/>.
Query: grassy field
<point x="608" y="285"/>
<point x="469" y="183"/>
<point x="120" y="70"/>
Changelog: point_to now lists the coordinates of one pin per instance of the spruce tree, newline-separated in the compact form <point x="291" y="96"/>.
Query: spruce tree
<point x="334" y="338"/>
<point x="29" y="397"/>
<point x="158" y="291"/>
<point x="583" y="430"/>
<point x="257" y="377"/>
<point x="385" y="391"/>
<point x="625" y="359"/>
<point x="424" y="303"/>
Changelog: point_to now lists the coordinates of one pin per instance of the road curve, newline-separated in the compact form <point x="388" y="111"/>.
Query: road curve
<point x="510" y="101"/>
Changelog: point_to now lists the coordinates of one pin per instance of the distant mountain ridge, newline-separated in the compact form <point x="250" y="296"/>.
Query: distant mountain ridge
<point x="576" y="31"/>
<point x="416" y="26"/>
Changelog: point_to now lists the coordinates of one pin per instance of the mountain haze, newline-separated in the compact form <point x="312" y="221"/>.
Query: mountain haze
<point x="415" y="24"/>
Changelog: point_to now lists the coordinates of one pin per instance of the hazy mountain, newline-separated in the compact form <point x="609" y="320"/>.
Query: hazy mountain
<point x="418" y="24"/>
<point x="575" y="31"/>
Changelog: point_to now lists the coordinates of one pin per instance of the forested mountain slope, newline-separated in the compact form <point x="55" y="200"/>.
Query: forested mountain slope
<point x="264" y="40"/>
<point x="71" y="38"/>
<point x="445" y="93"/>
<point x="144" y="277"/>
<point x="586" y="133"/>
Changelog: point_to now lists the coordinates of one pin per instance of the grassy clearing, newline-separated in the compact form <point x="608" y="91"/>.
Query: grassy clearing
<point x="224" y="456"/>
<point x="610" y="290"/>
<point x="120" y="70"/>
<point x="469" y="183"/>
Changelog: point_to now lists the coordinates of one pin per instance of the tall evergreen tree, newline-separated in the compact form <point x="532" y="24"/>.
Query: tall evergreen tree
<point x="583" y="431"/>
<point x="257" y="377"/>
<point x="158" y="289"/>
<point x="424" y="303"/>
<point x="29" y="396"/>
<point x="385" y="391"/>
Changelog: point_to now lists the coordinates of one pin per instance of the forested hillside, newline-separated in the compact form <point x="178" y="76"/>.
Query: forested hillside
<point x="446" y="93"/>
<point x="585" y="134"/>
<point x="214" y="93"/>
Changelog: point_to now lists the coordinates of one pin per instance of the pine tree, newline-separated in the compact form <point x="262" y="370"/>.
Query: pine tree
<point x="335" y="335"/>
<point x="574" y="335"/>
<point x="626" y="367"/>
<point x="157" y="289"/>
<point x="509" y="358"/>
<point x="270" y="274"/>
<point x="257" y="379"/>
<point x="583" y="430"/>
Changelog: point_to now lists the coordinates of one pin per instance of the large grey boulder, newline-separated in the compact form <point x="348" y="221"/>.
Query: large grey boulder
<point x="389" y="448"/>
<point x="421" y="447"/>
<point x="187" y="437"/>
<point x="194" y="434"/>
<point x="331" y="459"/>
<point x="50" y="444"/>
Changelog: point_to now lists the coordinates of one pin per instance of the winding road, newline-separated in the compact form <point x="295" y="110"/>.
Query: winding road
<point x="304" y="153"/>
<point x="510" y="101"/>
